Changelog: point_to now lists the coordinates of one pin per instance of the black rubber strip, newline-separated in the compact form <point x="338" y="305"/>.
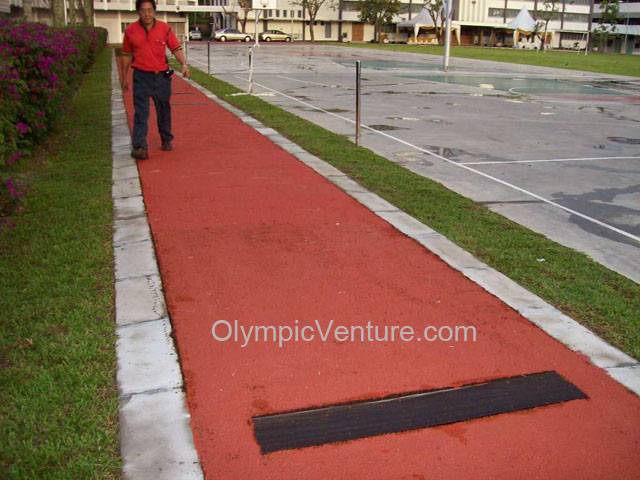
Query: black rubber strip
<point x="338" y="423"/>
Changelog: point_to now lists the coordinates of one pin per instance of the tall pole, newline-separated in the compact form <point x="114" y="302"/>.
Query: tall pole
<point x="358" y="70"/>
<point x="208" y="57"/>
<point x="250" y="90"/>
<point x="626" y="32"/>
<point x="256" y="13"/>
<point x="447" y="36"/>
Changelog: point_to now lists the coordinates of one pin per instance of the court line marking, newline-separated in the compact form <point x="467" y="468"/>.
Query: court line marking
<point x="459" y="165"/>
<point x="586" y="159"/>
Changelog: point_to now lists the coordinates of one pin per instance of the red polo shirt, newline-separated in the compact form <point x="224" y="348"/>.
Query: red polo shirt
<point x="149" y="47"/>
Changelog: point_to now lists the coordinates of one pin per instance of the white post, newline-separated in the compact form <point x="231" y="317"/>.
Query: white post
<point x="447" y="36"/>
<point x="64" y="5"/>
<point x="358" y="88"/>
<point x="256" y="13"/>
<point x="250" y="90"/>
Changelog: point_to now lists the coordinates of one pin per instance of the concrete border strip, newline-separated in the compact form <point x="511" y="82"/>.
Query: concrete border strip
<point x="156" y="441"/>
<point x="617" y="364"/>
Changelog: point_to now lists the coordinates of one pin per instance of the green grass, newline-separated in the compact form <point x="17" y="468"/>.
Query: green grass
<point x="603" y="300"/>
<point x="610" y="63"/>
<point x="59" y="404"/>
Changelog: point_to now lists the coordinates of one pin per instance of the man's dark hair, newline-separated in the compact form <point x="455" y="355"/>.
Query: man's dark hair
<point x="140" y="2"/>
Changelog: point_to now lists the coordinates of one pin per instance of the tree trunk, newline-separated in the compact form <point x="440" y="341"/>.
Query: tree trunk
<point x="27" y="10"/>
<point x="311" y="32"/>
<point x="57" y="12"/>
<point x="88" y="12"/>
<point x="72" y="12"/>
<point x="243" y="22"/>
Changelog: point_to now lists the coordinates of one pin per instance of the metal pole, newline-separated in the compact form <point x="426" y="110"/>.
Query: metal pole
<point x="626" y="32"/>
<point x="250" y="91"/>
<point x="256" y="13"/>
<point x="186" y="49"/>
<point x="358" y="69"/>
<point x="447" y="36"/>
<point x="208" y="57"/>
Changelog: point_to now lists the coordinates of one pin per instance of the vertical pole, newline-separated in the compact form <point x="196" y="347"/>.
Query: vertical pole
<point x="256" y="13"/>
<point x="250" y="91"/>
<point x="358" y="69"/>
<point x="447" y="35"/>
<point x="626" y="32"/>
<point x="208" y="57"/>
<point x="186" y="48"/>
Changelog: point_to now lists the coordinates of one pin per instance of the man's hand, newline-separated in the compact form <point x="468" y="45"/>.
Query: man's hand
<point x="185" y="71"/>
<point x="124" y="83"/>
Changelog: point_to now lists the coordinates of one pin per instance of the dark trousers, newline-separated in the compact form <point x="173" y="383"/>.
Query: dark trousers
<point x="158" y="87"/>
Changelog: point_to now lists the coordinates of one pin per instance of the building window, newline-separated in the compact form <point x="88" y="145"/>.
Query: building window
<point x="124" y="26"/>
<point x="269" y="13"/>
<point x="284" y="13"/>
<point x="299" y="13"/>
<point x="277" y="13"/>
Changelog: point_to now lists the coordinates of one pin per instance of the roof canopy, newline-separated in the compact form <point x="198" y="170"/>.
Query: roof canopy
<point x="523" y="22"/>
<point x="423" y="19"/>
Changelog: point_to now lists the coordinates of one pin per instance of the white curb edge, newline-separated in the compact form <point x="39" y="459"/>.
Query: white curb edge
<point x="617" y="364"/>
<point x="156" y="441"/>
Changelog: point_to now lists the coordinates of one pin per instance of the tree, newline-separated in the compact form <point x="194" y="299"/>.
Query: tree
<point x="88" y="12"/>
<point x="550" y="9"/>
<point x="609" y="11"/>
<point x="313" y="7"/>
<point x="57" y="12"/>
<point x="246" y="6"/>
<point x="378" y="12"/>
<point x="436" y="12"/>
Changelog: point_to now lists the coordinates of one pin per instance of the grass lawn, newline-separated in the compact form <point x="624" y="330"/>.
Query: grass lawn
<point x="59" y="405"/>
<point x="615" y="64"/>
<point x="604" y="301"/>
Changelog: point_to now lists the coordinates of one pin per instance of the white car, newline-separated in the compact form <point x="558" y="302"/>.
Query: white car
<point x="195" y="35"/>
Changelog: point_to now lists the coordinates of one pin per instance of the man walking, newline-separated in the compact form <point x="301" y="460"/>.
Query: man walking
<point x="146" y="41"/>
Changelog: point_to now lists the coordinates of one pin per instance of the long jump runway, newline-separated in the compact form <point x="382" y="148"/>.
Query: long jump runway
<point x="244" y="231"/>
<point x="555" y="150"/>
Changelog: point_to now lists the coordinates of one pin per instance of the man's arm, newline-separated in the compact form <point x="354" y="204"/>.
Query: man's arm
<point x="176" y="49"/>
<point x="125" y="62"/>
<point x="179" y="54"/>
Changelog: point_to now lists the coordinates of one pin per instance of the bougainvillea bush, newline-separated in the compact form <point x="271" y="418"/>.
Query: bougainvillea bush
<point x="40" y="67"/>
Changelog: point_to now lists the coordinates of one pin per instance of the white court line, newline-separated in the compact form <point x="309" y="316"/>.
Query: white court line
<point x="586" y="159"/>
<point x="451" y="162"/>
<point x="307" y="81"/>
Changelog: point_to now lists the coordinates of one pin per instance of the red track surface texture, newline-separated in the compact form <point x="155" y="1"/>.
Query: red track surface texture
<point x="245" y="231"/>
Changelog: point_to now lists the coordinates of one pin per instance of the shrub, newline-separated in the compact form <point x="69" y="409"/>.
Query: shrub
<point x="40" y="67"/>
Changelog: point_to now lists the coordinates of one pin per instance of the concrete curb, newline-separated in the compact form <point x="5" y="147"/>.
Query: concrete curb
<point x="156" y="441"/>
<point x="619" y="365"/>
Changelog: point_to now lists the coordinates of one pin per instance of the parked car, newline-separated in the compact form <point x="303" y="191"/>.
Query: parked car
<point x="195" y="34"/>
<point x="231" y="34"/>
<point x="274" y="35"/>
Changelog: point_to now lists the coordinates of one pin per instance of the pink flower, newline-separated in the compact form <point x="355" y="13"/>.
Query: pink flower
<point x="15" y="156"/>
<point x="11" y="187"/>
<point x="22" y="127"/>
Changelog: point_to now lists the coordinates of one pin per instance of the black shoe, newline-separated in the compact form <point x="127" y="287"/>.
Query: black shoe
<point x="140" y="153"/>
<point x="166" y="146"/>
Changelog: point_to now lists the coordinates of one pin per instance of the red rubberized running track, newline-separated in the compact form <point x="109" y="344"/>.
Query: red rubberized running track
<point x="245" y="231"/>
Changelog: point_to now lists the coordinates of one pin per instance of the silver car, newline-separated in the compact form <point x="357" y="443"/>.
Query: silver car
<point x="231" y="34"/>
<point x="274" y="36"/>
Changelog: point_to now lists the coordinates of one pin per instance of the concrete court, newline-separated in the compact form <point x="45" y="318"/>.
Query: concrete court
<point x="555" y="150"/>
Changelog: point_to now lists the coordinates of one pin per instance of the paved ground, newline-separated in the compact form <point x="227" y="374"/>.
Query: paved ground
<point x="243" y="230"/>
<point x="555" y="150"/>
